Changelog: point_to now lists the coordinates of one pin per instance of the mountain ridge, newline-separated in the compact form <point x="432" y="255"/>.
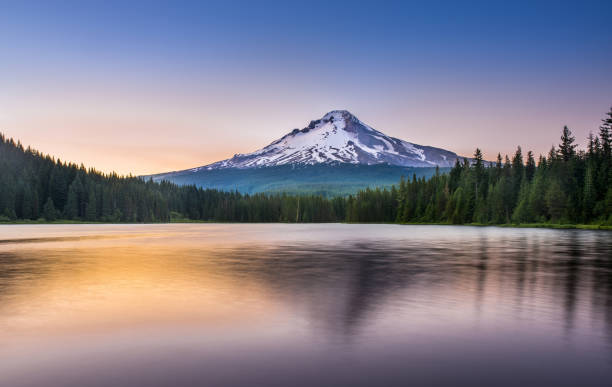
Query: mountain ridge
<point x="335" y="155"/>
<point x="339" y="137"/>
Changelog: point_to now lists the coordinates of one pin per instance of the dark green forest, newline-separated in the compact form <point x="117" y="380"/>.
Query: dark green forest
<point x="567" y="186"/>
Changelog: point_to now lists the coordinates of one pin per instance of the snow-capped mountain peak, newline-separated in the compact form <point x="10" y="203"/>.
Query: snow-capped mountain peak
<point x="339" y="137"/>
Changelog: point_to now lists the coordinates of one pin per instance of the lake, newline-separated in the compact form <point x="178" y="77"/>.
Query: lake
<point x="304" y="305"/>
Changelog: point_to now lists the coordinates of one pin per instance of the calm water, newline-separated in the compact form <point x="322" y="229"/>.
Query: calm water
<point x="303" y="305"/>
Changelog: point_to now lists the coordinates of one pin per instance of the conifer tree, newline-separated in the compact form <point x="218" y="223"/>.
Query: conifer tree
<point x="521" y="212"/>
<point x="530" y="167"/>
<point x="71" y="209"/>
<point x="517" y="176"/>
<point x="26" y="201"/>
<point x="605" y="135"/>
<point x="478" y="172"/>
<point x="589" y="195"/>
<point x="556" y="201"/>
<point x="91" y="209"/>
<point x="49" y="211"/>
<point x="567" y="148"/>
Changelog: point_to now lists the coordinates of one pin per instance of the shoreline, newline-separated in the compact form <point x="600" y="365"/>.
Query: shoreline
<point x="187" y="221"/>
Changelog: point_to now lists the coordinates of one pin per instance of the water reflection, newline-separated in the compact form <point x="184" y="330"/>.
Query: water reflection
<point x="481" y="275"/>
<point x="351" y="302"/>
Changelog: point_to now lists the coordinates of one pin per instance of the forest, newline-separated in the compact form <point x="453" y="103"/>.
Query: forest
<point x="567" y="186"/>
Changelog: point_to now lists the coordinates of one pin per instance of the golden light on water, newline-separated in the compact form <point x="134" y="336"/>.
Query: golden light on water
<point x="214" y="302"/>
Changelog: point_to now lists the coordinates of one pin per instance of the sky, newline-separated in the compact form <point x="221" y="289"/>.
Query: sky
<point x="146" y="87"/>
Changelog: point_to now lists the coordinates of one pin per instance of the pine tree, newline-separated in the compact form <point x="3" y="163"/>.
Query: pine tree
<point x="498" y="168"/>
<point x="604" y="173"/>
<point x="478" y="172"/>
<point x="556" y="201"/>
<point x="91" y="209"/>
<point x="530" y="167"/>
<point x="49" y="211"/>
<point x="496" y="202"/>
<point x="58" y="188"/>
<point x="605" y="135"/>
<point x="517" y="176"/>
<point x="589" y="195"/>
<point x="455" y="175"/>
<point x="26" y="202"/>
<point x="521" y="212"/>
<point x="507" y="167"/>
<point x="71" y="209"/>
<point x="458" y="211"/>
<point x="537" y="202"/>
<point x="591" y="147"/>
<point x="567" y="148"/>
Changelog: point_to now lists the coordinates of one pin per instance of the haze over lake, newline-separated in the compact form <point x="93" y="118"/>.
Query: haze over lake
<point x="303" y="305"/>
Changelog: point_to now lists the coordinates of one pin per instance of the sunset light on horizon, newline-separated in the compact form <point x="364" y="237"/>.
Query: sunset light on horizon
<point x="151" y="87"/>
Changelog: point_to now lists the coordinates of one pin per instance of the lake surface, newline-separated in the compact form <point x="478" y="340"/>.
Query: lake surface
<point x="304" y="305"/>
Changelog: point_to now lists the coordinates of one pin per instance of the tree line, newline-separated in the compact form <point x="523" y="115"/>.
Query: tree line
<point x="35" y="186"/>
<point x="566" y="186"/>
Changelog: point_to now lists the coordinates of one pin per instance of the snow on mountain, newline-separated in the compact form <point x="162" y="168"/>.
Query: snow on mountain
<point x="339" y="137"/>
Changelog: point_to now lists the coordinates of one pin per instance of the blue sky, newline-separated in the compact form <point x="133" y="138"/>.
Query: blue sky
<point x="150" y="86"/>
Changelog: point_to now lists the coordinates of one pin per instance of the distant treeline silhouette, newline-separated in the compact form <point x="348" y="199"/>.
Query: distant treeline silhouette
<point x="566" y="186"/>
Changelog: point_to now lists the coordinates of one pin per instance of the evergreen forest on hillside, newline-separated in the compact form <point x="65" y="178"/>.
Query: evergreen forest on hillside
<point x="566" y="186"/>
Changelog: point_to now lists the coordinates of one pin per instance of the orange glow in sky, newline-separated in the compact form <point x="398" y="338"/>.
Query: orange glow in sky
<point x="153" y="89"/>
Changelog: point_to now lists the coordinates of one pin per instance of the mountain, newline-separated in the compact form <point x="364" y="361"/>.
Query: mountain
<point x="337" y="154"/>
<point x="339" y="137"/>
